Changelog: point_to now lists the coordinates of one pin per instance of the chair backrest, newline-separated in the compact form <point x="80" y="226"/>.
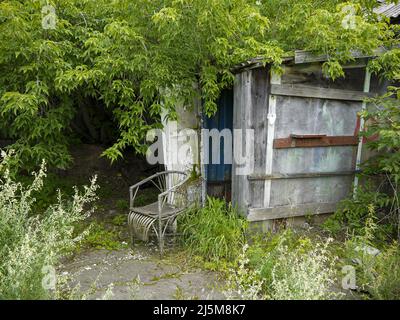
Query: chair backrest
<point x="177" y="183"/>
<point x="184" y="190"/>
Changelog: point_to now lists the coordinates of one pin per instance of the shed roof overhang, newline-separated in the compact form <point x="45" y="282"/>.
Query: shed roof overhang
<point x="300" y="57"/>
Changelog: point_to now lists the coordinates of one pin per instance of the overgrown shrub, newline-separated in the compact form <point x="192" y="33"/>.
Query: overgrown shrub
<point x="285" y="266"/>
<point x="352" y="214"/>
<point x="298" y="275"/>
<point x="215" y="232"/>
<point x="31" y="243"/>
<point x="103" y="236"/>
<point x="386" y="282"/>
<point x="244" y="282"/>
<point x="377" y="271"/>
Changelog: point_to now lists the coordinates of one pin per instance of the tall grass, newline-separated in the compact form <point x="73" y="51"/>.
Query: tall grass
<point x="32" y="243"/>
<point x="215" y="232"/>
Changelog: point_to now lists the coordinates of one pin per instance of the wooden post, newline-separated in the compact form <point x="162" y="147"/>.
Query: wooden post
<point x="367" y="84"/>
<point x="275" y="79"/>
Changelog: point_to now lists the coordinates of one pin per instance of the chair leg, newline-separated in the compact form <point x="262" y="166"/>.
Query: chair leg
<point x="160" y="238"/>
<point x="130" y="232"/>
<point x="161" y="246"/>
<point x="132" y="240"/>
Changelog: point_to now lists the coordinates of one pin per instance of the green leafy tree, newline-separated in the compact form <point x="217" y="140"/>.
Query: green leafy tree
<point x="134" y="58"/>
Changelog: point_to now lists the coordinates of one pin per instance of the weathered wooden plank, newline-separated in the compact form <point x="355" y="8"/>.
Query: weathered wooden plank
<point x="256" y="177"/>
<point x="308" y="160"/>
<point x="290" y="192"/>
<point x="262" y="214"/>
<point x="260" y="97"/>
<point x="315" y="116"/>
<point x="303" y="56"/>
<point x="320" y="141"/>
<point x="237" y="109"/>
<point x="243" y="105"/>
<point x="316" y="92"/>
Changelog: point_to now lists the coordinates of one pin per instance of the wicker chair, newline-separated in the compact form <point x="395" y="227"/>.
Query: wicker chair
<point x="161" y="215"/>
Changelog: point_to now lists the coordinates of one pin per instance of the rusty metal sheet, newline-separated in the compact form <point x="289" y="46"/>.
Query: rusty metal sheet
<point x="314" y="141"/>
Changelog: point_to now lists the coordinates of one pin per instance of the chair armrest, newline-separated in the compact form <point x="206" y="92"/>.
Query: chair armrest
<point x="152" y="177"/>
<point x="144" y="181"/>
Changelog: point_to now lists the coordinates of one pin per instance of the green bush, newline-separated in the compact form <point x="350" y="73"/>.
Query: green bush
<point x="353" y="212"/>
<point x="215" y="232"/>
<point x="263" y="253"/>
<point x="102" y="237"/>
<point x="377" y="277"/>
<point x="298" y="275"/>
<point x="48" y="194"/>
<point x="285" y="266"/>
<point x="122" y="205"/>
<point x="377" y="274"/>
<point x="386" y="282"/>
<point x="31" y="243"/>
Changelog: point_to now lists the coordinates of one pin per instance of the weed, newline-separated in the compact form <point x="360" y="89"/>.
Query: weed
<point x="303" y="276"/>
<point x="119" y="220"/>
<point x="101" y="237"/>
<point x="179" y="294"/>
<point x="122" y="205"/>
<point x="377" y="273"/>
<point x="29" y="241"/>
<point x="353" y="212"/>
<point x="173" y="275"/>
<point x="243" y="282"/>
<point x="215" y="232"/>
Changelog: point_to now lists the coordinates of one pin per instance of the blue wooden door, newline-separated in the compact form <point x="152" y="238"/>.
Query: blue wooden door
<point x="219" y="175"/>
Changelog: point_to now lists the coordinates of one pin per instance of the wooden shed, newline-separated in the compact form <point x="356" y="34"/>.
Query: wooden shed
<point x="305" y="151"/>
<point x="306" y="148"/>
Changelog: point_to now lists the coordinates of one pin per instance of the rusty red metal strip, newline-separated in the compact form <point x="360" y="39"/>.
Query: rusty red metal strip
<point x="358" y="126"/>
<point x="364" y="139"/>
<point x="312" y="142"/>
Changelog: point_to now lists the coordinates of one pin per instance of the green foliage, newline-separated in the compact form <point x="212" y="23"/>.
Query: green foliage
<point x="146" y="197"/>
<point x="384" y="276"/>
<point x="377" y="275"/>
<point x="263" y="248"/>
<point x="382" y="134"/>
<point x="353" y="212"/>
<point x="285" y="266"/>
<point x="383" y="139"/>
<point x="119" y="220"/>
<point x="333" y="28"/>
<point x="30" y="242"/>
<point x="49" y="192"/>
<point x="103" y="236"/>
<point x="215" y="232"/>
<point x="304" y="276"/>
<point x="105" y="55"/>
<point x="122" y="205"/>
